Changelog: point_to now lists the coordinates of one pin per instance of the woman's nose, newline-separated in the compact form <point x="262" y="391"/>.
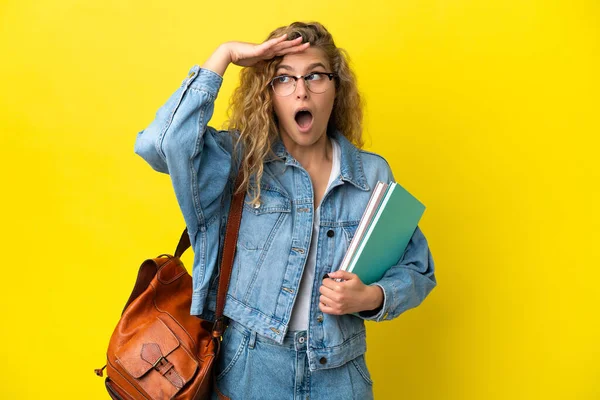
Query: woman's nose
<point x="301" y="89"/>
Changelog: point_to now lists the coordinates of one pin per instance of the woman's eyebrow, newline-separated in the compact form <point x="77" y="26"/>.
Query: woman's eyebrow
<point x="315" y="65"/>
<point x="311" y="66"/>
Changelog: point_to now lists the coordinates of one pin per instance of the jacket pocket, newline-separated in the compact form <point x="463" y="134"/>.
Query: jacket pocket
<point x="261" y="226"/>
<point x="349" y="231"/>
<point x="361" y="366"/>
<point x="232" y="349"/>
<point x="259" y="221"/>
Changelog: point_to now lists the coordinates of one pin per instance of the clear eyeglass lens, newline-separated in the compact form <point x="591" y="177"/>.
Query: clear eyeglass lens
<point x="316" y="83"/>
<point x="284" y="86"/>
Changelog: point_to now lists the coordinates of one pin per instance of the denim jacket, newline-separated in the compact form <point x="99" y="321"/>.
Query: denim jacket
<point x="275" y="235"/>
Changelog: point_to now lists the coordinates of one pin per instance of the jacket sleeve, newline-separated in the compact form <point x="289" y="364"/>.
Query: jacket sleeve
<point x="406" y="284"/>
<point x="197" y="157"/>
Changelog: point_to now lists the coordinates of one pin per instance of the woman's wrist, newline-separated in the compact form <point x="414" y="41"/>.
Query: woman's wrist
<point x="219" y="60"/>
<point x="375" y="297"/>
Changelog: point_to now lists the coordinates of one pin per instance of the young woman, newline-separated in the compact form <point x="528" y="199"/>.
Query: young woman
<point x="296" y="324"/>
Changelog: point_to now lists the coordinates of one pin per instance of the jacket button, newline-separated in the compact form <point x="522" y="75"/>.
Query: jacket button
<point x="319" y="318"/>
<point x="330" y="233"/>
<point x="323" y="360"/>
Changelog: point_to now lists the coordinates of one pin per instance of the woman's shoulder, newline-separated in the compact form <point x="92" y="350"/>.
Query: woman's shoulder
<point x="364" y="155"/>
<point x="375" y="166"/>
<point x="371" y="165"/>
<point x="373" y="157"/>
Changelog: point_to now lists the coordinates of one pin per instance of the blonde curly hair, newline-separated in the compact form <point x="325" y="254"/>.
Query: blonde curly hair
<point x="253" y="122"/>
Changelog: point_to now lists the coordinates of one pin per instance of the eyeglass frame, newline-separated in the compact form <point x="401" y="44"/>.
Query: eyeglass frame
<point x="330" y="75"/>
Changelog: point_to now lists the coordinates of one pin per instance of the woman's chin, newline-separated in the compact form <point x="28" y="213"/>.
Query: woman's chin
<point x="301" y="136"/>
<point x="308" y="138"/>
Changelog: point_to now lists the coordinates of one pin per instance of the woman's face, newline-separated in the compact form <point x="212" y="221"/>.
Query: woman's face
<point x="303" y="115"/>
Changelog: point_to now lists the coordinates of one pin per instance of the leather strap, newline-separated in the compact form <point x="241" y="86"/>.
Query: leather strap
<point x="183" y="245"/>
<point x="145" y="275"/>
<point x="152" y="355"/>
<point x="231" y="235"/>
<point x="220" y="394"/>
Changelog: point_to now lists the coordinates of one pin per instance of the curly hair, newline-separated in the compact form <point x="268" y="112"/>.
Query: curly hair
<point x="253" y="122"/>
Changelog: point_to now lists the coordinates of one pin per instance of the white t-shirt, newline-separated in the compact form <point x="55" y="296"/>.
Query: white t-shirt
<point x="301" y="310"/>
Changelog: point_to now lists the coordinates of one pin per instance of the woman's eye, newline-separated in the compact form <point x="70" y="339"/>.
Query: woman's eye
<point x="283" y="79"/>
<point x="313" y="77"/>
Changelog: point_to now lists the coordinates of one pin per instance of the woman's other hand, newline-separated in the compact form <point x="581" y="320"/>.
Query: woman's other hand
<point x="348" y="296"/>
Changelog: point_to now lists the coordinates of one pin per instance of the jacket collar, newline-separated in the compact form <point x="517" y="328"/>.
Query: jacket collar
<point x="351" y="165"/>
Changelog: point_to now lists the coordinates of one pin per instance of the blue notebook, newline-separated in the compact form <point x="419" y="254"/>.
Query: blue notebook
<point x="386" y="238"/>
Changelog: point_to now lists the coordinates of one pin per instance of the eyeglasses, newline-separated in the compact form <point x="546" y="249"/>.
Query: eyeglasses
<point x="316" y="82"/>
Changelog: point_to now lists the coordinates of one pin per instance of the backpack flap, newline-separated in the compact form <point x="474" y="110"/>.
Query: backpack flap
<point x="155" y="358"/>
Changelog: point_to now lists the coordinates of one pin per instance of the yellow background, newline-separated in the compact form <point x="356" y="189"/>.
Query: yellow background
<point x="486" y="110"/>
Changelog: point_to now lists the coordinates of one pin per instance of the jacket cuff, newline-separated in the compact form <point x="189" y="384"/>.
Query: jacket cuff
<point x="381" y="313"/>
<point x="204" y="80"/>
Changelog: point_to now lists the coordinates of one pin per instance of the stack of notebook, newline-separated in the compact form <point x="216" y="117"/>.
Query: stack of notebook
<point x="386" y="227"/>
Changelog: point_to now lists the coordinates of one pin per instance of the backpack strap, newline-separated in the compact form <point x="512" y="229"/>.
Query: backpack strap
<point x="231" y="235"/>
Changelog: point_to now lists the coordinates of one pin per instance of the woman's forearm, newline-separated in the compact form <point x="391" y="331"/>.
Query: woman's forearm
<point x="219" y="60"/>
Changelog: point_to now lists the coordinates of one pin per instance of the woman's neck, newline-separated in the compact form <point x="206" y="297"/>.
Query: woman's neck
<point x="313" y="156"/>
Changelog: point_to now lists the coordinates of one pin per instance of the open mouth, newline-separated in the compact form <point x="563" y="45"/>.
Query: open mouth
<point x="304" y="119"/>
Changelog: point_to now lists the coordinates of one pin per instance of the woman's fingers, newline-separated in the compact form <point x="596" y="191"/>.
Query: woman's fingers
<point x="265" y="46"/>
<point x="247" y="54"/>
<point x="295" y="49"/>
<point x="325" y="291"/>
<point x="284" y="47"/>
<point x="329" y="307"/>
<point x="287" y="43"/>
<point x="326" y="300"/>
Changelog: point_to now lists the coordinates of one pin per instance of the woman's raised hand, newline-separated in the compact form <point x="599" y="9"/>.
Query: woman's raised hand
<point x="248" y="54"/>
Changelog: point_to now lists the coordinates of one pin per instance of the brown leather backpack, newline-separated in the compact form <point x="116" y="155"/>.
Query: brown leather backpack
<point x="158" y="350"/>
